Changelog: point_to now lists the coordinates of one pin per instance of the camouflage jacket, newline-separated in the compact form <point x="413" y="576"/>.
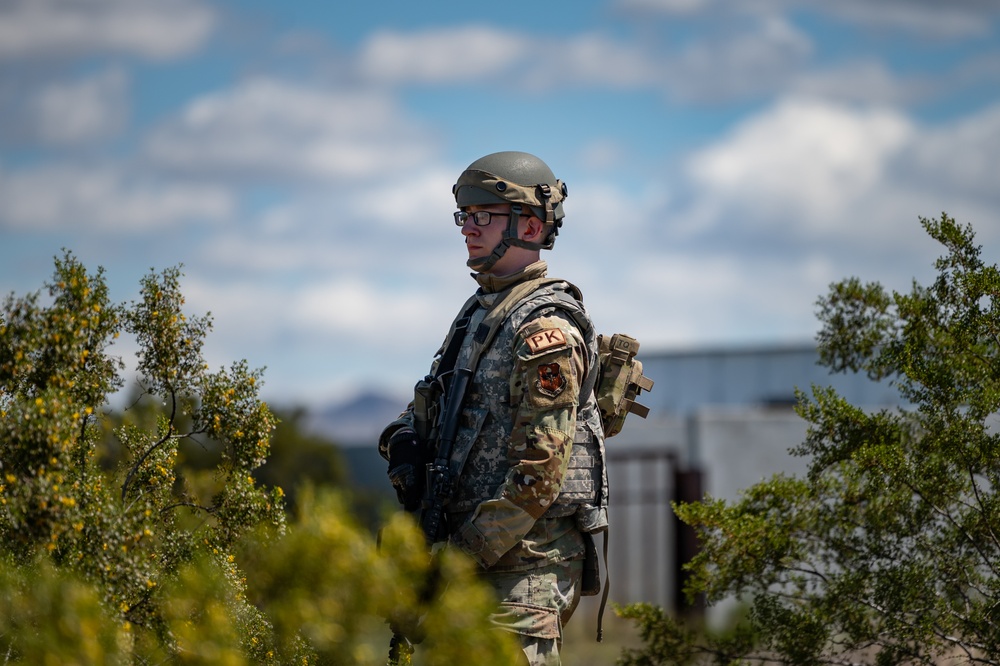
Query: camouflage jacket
<point x="513" y="505"/>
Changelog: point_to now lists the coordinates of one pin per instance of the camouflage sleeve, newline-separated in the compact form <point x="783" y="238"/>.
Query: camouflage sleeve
<point x="544" y="388"/>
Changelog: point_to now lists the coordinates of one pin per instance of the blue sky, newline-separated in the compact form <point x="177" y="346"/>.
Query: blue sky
<point x="726" y="161"/>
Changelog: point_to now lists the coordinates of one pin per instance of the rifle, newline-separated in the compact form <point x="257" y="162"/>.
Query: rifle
<point x="437" y="491"/>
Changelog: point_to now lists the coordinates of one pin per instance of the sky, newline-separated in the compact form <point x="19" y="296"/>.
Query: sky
<point x="726" y="161"/>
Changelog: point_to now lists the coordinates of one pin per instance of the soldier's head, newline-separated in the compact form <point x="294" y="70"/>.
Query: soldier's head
<point x="508" y="201"/>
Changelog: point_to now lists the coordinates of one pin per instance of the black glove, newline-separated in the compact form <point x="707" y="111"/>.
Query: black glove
<point x="406" y="467"/>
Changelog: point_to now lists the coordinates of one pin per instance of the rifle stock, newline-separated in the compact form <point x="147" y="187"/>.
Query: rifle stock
<point x="439" y="478"/>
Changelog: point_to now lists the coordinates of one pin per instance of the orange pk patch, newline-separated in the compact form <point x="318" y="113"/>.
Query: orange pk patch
<point x="547" y="339"/>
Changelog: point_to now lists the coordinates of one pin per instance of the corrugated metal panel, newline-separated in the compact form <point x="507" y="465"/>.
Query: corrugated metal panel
<point x="750" y="377"/>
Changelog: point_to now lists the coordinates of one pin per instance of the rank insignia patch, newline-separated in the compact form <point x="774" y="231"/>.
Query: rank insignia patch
<point x="550" y="380"/>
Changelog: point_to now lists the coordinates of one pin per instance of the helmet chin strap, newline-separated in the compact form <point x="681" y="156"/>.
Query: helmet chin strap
<point x="510" y="238"/>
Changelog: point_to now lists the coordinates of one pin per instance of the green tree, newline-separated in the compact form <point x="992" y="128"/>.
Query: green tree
<point x="130" y="529"/>
<point x="887" y="551"/>
<point x="123" y="554"/>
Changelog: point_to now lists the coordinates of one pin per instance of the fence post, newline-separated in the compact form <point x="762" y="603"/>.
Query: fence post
<point x="687" y="488"/>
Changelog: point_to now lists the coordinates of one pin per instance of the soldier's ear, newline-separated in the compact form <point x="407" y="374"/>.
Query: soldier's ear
<point x="533" y="229"/>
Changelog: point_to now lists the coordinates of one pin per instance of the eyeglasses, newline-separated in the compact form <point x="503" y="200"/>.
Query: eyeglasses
<point x="481" y="218"/>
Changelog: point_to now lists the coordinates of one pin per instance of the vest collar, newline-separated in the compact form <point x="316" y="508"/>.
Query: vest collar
<point x="493" y="284"/>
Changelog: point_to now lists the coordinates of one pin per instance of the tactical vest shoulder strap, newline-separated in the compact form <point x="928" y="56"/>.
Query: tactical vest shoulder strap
<point x="453" y="343"/>
<point x="499" y="312"/>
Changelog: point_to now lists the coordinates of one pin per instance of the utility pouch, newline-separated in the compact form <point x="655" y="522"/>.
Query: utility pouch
<point x="591" y="583"/>
<point x="620" y="382"/>
<point x="426" y="408"/>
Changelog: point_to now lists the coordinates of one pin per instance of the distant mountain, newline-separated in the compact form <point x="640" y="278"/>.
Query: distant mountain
<point x="357" y="421"/>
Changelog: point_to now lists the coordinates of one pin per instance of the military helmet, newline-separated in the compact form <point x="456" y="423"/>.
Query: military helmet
<point x="513" y="177"/>
<point x="518" y="179"/>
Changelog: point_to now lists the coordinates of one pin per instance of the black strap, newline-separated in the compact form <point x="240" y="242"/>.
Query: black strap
<point x="607" y="587"/>
<point x="450" y="355"/>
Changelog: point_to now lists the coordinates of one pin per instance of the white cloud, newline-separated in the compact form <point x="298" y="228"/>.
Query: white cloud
<point x="354" y="306"/>
<point x="753" y="57"/>
<point x="802" y="165"/>
<point x="85" y="110"/>
<point x="715" y="297"/>
<point x="476" y="54"/>
<point x="442" y="55"/>
<point x="948" y="20"/>
<point x="402" y="200"/>
<point x="603" y="154"/>
<point x="813" y="171"/>
<point x="867" y="81"/>
<point x="266" y="128"/>
<point x="330" y="332"/>
<point x="590" y="59"/>
<point x="931" y="18"/>
<point x="963" y="157"/>
<point x="146" y="28"/>
<point x="665" y="6"/>
<point x="762" y="53"/>
<point x="103" y="198"/>
<point x="393" y="229"/>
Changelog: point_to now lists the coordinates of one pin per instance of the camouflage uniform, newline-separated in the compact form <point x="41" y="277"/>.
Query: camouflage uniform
<point x="516" y="506"/>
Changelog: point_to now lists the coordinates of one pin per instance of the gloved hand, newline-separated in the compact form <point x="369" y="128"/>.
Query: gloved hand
<point x="406" y="467"/>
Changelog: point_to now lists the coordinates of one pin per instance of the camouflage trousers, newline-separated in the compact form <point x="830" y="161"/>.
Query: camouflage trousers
<point x="535" y="605"/>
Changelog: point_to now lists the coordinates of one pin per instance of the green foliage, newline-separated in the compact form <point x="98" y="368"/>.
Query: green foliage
<point x="49" y="616"/>
<point x="326" y="582"/>
<point x="113" y="549"/>
<point x="886" y="552"/>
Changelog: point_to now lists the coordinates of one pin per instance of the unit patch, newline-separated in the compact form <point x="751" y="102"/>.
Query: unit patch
<point x="550" y="380"/>
<point x="547" y="339"/>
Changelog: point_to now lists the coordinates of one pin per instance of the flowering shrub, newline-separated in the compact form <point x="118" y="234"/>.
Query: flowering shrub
<point x="143" y="562"/>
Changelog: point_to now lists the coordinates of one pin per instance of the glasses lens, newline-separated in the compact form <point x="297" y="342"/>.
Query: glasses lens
<point x="480" y="218"/>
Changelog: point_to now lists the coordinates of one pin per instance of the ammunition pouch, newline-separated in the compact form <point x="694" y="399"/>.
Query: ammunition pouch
<point x="427" y="395"/>
<point x="620" y="382"/>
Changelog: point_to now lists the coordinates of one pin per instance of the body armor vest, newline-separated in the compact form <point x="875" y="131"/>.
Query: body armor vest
<point x="480" y="461"/>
